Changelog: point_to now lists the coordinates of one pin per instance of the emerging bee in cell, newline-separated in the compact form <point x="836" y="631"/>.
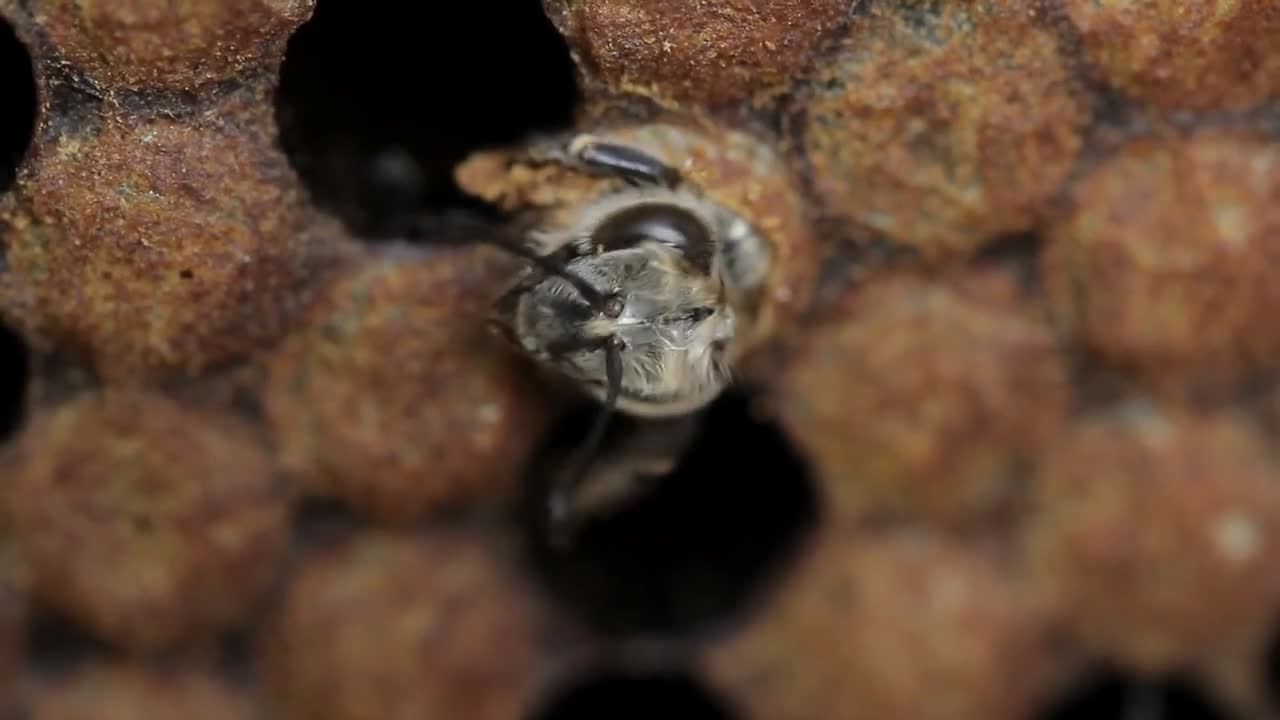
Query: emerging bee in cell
<point x="639" y="298"/>
<point x="644" y="295"/>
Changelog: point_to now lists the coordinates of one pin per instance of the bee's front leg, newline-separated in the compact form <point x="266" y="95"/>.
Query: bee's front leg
<point x="645" y="452"/>
<point x="603" y="157"/>
<point x="629" y="163"/>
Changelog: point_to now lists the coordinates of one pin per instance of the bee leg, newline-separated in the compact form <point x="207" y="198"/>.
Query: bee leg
<point x="645" y="454"/>
<point x="600" y="156"/>
<point x="562" y="521"/>
<point x="634" y="166"/>
<point x="621" y="480"/>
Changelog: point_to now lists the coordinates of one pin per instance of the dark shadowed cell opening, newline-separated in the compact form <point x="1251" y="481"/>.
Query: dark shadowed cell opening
<point x="619" y="696"/>
<point x="379" y="100"/>
<point x="14" y="373"/>
<point x="689" y="554"/>
<point x="18" y="103"/>
<point x="58" y="644"/>
<point x="1271" y="666"/>
<point x="1019" y="254"/>
<point x="1112" y="695"/>
<point x="323" y="521"/>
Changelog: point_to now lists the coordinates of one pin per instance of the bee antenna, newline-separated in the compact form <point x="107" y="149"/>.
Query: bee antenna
<point x="596" y="299"/>
<point x="562" y="493"/>
<point x="466" y="227"/>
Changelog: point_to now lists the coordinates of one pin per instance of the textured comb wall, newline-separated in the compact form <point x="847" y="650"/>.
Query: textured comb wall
<point x="1018" y="449"/>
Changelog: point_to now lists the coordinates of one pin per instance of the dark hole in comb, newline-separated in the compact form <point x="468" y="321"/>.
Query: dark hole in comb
<point x="1018" y="254"/>
<point x="324" y="521"/>
<point x="58" y="644"/>
<point x="691" y="553"/>
<point x="18" y="98"/>
<point x="1108" y="694"/>
<point x="15" y="370"/>
<point x="620" y="696"/>
<point x="379" y="101"/>
<point x="1271" y="666"/>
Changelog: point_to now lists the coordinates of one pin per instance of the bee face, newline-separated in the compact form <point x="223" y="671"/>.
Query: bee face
<point x="667" y="313"/>
<point x="650" y="273"/>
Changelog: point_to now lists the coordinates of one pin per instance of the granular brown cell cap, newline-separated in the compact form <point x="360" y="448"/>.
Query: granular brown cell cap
<point x="1179" y="55"/>
<point x="1156" y="532"/>
<point x="707" y="54"/>
<point x="152" y="524"/>
<point x="944" y="125"/>
<point x="394" y="395"/>
<point x="911" y="397"/>
<point x="404" y="627"/>
<point x="169" y="44"/>
<point x="1166" y="261"/>
<point x="896" y="624"/>
<point x="157" y="247"/>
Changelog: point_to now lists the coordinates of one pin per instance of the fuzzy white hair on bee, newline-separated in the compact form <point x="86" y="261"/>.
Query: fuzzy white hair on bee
<point x="684" y="271"/>
<point x="643" y="296"/>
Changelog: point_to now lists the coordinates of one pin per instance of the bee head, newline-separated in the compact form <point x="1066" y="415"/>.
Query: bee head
<point x="644" y="287"/>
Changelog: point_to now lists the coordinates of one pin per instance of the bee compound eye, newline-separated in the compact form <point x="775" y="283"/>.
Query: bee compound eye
<point x="663" y="223"/>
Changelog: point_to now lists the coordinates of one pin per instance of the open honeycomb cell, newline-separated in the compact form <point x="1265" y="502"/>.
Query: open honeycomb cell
<point x="17" y="83"/>
<point x="1009" y="411"/>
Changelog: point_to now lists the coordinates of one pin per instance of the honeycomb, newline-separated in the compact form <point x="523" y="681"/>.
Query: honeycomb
<point x="1006" y="446"/>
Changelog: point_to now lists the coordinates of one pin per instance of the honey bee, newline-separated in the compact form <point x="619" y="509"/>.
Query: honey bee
<point x="643" y="295"/>
<point x="640" y="297"/>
